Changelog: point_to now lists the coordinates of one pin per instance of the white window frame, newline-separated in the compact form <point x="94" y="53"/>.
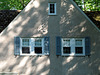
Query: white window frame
<point x="66" y="45"/>
<point x="49" y="9"/>
<point x="72" y="47"/>
<point x="32" y="46"/>
<point x="39" y="46"/>
<point x="24" y="46"/>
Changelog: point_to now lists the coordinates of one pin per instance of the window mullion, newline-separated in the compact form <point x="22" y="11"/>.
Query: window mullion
<point x="31" y="45"/>
<point x="72" y="42"/>
<point x="42" y="46"/>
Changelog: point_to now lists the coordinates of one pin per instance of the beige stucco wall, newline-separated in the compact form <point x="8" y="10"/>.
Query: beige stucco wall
<point x="69" y="22"/>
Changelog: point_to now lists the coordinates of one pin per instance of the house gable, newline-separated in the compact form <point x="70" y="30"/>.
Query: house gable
<point x="34" y="21"/>
<point x="35" y="8"/>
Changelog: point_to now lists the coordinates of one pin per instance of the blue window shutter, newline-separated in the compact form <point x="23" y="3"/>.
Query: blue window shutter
<point x="58" y="45"/>
<point x="87" y="46"/>
<point x="46" y="45"/>
<point x="17" y="46"/>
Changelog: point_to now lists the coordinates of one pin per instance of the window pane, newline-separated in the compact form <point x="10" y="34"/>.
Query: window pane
<point x="78" y="42"/>
<point x="26" y="50"/>
<point x="66" y="42"/>
<point x="66" y="50"/>
<point x="78" y="50"/>
<point x="38" y="42"/>
<point x="25" y="42"/>
<point x="38" y="50"/>
<point x="52" y="8"/>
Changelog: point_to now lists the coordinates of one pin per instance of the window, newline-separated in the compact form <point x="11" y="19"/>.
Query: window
<point x="38" y="46"/>
<point x="52" y="9"/>
<point x="34" y="46"/>
<point x="73" y="46"/>
<point x="66" y="46"/>
<point x="25" y="46"/>
<point x="78" y="46"/>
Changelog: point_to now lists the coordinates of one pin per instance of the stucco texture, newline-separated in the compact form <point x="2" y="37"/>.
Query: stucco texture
<point x="34" y="21"/>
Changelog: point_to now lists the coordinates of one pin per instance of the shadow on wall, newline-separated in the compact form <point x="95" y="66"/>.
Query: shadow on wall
<point x="35" y="24"/>
<point x="74" y="24"/>
<point x="31" y="24"/>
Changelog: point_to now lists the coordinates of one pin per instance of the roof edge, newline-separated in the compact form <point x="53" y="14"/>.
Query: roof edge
<point x="84" y="15"/>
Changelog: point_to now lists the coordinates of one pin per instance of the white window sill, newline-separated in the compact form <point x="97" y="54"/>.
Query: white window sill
<point x="52" y="14"/>
<point x="33" y="54"/>
<point x="73" y="54"/>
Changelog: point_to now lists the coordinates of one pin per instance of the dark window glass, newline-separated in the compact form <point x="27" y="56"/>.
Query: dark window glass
<point x="78" y="50"/>
<point x="52" y="8"/>
<point x="26" y="50"/>
<point x="38" y="50"/>
<point x="66" y="50"/>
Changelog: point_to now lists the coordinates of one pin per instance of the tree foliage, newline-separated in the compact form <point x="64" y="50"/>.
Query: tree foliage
<point x="85" y="5"/>
<point x="13" y="4"/>
<point x="89" y="5"/>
